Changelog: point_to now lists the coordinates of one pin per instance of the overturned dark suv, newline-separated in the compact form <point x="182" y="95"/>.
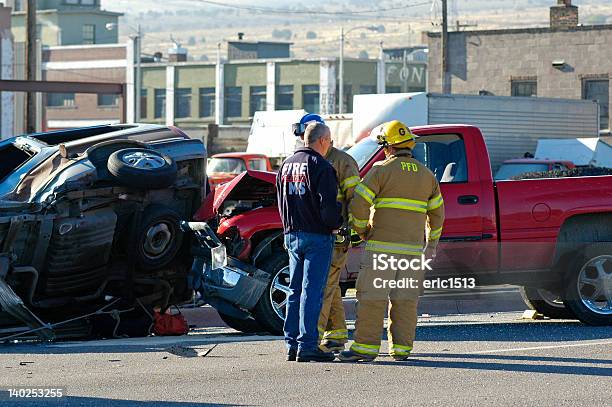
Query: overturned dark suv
<point x="90" y="241"/>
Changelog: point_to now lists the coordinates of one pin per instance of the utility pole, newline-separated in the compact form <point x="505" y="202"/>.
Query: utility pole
<point x="444" y="41"/>
<point x="30" y="60"/>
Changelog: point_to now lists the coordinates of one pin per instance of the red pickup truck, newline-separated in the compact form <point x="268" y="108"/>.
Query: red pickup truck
<point x="551" y="236"/>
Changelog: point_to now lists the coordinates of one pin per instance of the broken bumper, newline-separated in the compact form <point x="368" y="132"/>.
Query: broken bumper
<point x="237" y="284"/>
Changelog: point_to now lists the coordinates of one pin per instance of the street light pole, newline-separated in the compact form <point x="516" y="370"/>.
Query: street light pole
<point x="137" y="49"/>
<point x="341" y="68"/>
<point x="341" y="74"/>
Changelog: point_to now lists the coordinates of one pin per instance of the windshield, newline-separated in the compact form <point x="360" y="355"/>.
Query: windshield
<point x="227" y="165"/>
<point x="507" y="171"/>
<point x="363" y="151"/>
<point x="258" y="164"/>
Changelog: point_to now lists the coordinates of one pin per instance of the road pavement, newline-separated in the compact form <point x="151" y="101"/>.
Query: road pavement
<point x="479" y="355"/>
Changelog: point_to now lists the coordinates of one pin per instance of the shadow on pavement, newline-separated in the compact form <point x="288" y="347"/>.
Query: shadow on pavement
<point x="94" y="401"/>
<point x="505" y="367"/>
<point x="532" y="331"/>
<point x="513" y="358"/>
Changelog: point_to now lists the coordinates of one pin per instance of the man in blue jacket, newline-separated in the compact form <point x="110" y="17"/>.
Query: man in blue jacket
<point x="306" y="188"/>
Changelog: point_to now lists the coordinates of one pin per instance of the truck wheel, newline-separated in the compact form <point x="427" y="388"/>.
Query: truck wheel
<point x="142" y="168"/>
<point x="248" y="326"/>
<point x="270" y="310"/>
<point x="546" y="303"/>
<point x="589" y="285"/>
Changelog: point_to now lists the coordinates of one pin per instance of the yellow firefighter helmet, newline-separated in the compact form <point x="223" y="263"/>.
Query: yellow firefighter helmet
<point x="396" y="134"/>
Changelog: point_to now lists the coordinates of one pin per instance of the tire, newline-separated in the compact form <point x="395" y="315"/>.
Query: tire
<point x="542" y="301"/>
<point x="248" y="326"/>
<point x="592" y="265"/>
<point x="159" y="237"/>
<point x="142" y="168"/>
<point x="265" y="312"/>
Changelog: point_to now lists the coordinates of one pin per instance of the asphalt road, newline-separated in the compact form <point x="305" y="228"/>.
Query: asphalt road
<point x="462" y="358"/>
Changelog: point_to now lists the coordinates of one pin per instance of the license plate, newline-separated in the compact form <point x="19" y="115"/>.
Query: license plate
<point x="219" y="257"/>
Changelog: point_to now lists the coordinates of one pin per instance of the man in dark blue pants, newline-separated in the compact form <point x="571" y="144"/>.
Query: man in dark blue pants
<point x="306" y="189"/>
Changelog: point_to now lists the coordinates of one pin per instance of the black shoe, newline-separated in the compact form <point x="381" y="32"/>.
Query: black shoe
<point x="315" y="355"/>
<point x="291" y="355"/>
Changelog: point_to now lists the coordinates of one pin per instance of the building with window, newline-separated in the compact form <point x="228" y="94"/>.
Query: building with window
<point x="66" y="22"/>
<point x="240" y="50"/>
<point x="195" y="94"/>
<point x="564" y="60"/>
<point x="85" y="63"/>
<point x="231" y="93"/>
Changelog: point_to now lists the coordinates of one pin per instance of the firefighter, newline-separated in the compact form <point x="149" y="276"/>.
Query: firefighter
<point x="332" y="322"/>
<point x="394" y="208"/>
<point x="307" y="188"/>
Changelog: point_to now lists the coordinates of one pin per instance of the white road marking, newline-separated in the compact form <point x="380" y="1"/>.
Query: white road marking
<point x="437" y="294"/>
<point x="473" y="294"/>
<point x="165" y="341"/>
<point x="568" y="345"/>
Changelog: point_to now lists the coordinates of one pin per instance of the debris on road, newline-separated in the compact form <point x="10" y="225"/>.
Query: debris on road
<point x="532" y="314"/>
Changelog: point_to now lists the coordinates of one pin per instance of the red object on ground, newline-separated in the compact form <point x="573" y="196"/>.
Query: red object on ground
<point x="170" y="324"/>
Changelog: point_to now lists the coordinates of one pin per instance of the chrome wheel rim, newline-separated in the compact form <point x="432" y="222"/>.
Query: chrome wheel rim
<point x="595" y="285"/>
<point x="552" y="299"/>
<point x="144" y="160"/>
<point x="279" y="292"/>
<point x="157" y="240"/>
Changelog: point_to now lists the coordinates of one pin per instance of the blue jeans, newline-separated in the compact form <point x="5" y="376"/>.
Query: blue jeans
<point x="309" y="260"/>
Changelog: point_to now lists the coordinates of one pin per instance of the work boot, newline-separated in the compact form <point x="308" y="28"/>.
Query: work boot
<point x="291" y="355"/>
<point x="315" y="355"/>
<point x="350" y="356"/>
<point x="400" y="358"/>
<point x="329" y="345"/>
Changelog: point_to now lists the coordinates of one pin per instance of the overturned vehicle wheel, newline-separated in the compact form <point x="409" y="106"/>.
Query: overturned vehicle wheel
<point x="159" y="237"/>
<point x="270" y="310"/>
<point x="142" y="168"/>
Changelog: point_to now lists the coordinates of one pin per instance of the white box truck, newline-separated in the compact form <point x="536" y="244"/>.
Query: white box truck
<point x="511" y="126"/>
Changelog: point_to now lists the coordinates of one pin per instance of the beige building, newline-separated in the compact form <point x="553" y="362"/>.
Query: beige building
<point x="66" y="22"/>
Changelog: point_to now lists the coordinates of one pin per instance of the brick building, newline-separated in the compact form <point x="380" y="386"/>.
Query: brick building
<point x="564" y="60"/>
<point x="84" y="63"/>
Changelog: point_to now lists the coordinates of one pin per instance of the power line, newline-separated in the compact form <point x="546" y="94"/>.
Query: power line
<point x="310" y="12"/>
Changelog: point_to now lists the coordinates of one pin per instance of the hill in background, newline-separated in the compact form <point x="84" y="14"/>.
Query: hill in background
<point x="314" y="26"/>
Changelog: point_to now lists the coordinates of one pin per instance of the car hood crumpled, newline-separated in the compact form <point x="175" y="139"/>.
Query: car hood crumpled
<point x="250" y="184"/>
